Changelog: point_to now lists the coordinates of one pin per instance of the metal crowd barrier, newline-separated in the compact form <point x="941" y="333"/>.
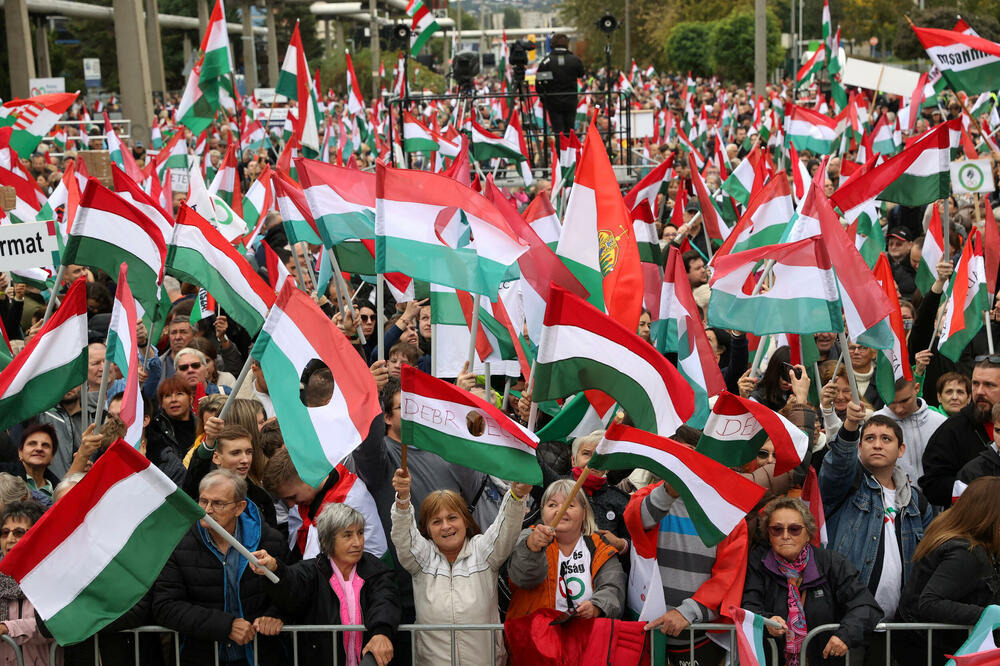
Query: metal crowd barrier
<point x="18" y="657"/>
<point x="889" y="627"/>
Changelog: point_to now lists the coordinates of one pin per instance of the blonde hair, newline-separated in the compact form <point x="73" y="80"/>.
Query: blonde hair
<point x="563" y="487"/>
<point x="439" y="500"/>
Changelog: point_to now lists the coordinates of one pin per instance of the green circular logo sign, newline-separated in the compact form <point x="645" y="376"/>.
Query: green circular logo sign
<point x="971" y="176"/>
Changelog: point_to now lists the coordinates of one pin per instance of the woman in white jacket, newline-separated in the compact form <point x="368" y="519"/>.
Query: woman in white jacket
<point x="454" y="569"/>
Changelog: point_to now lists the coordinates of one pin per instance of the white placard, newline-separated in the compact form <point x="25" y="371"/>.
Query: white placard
<point x="92" y="72"/>
<point x="267" y="97"/>
<point x="970" y="176"/>
<point x="894" y="80"/>
<point x="28" y="245"/>
<point x="56" y="84"/>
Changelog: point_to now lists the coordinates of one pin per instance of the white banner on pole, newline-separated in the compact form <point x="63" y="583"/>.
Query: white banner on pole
<point x="28" y="245"/>
<point x="970" y="176"/>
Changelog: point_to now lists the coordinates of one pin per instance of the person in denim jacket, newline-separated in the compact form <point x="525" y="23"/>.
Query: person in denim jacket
<point x="874" y="516"/>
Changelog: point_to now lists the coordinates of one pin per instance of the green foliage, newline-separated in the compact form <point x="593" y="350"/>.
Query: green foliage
<point x="511" y="17"/>
<point x="688" y="48"/>
<point x="908" y="46"/>
<point x="732" y="45"/>
<point x="333" y="73"/>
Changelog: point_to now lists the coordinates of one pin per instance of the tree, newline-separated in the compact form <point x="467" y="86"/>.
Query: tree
<point x="908" y="46"/>
<point x="511" y="17"/>
<point x="688" y="48"/>
<point x="732" y="45"/>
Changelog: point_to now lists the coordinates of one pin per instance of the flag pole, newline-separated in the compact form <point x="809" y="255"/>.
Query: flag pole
<point x="506" y="395"/>
<point x="851" y="378"/>
<point x="989" y="331"/>
<point x="240" y="548"/>
<point x="342" y="292"/>
<point x="489" y="389"/>
<point x="50" y="306"/>
<point x="584" y="473"/>
<point x="103" y="391"/>
<point x="380" y="316"/>
<point x="758" y="358"/>
<point x="473" y="331"/>
<point x="83" y="396"/>
<point x="533" y="411"/>
<point x="242" y="377"/>
<point x="946" y="230"/>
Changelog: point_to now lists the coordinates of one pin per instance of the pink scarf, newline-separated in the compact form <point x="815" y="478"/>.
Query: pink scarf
<point x="348" y="591"/>
<point x="797" y="629"/>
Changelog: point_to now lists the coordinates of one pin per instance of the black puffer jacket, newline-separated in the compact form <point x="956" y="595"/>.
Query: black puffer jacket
<point x="833" y="594"/>
<point x="987" y="463"/>
<point x="305" y="596"/>
<point x="189" y="595"/>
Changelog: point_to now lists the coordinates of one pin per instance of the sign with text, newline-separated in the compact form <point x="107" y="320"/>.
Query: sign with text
<point x="92" y="72"/>
<point x="55" y="84"/>
<point x="971" y="176"/>
<point x="29" y="245"/>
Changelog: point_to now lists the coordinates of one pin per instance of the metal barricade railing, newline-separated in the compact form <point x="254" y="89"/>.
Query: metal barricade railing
<point x="889" y="627"/>
<point x="18" y="656"/>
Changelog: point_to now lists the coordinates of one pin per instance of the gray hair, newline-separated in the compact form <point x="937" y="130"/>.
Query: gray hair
<point x="593" y="438"/>
<point x="13" y="489"/>
<point x="333" y="519"/>
<point x="793" y="504"/>
<point x="217" y="476"/>
<point x="66" y="484"/>
<point x="564" y="487"/>
<point x="191" y="351"/>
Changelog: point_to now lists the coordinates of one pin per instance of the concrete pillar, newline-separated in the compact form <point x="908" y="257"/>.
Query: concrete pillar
<point x="327" y="36"/>
<point x="203" y="11"/>
<point x="249" y="49"/>
<point x="272" y="46"/>
<point x="156" y="75"/>
<point x="42" y="44"/>
<point x="133" y="67"/>
<point x="338" y="34"/>
<point x="19" y="53"/>
<point x="375" y="48"/>
<point x="447" y="48"/>
<point x="187" y="47"/>
<point x="760" y="47"/>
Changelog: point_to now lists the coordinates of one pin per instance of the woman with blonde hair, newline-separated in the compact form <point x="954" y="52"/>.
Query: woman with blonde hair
<point x="956" y="569"/>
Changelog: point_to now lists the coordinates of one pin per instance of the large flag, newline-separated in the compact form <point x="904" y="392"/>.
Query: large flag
<point x="433" y="228"/>
<point x="218" y="57"/>
<point x="295" y="334"/>
<point x="716" y="497"/>
<point x="295" y="83"/>
<point x="341" y="200"/>
<point x="980" y="641"/>
<point x="891" y="364"/>
<point x="738" y="428"/>
<point x="422" y="26"/>
<point x="109" y="231"/>
<point x="123" y="351"/>
<point x="53" y="362"/>
<point x="811" y="130"/>
<point x="200" y="255"/>
<point x="92" y="556"/>
<point x="582" y="348"/>
<point x="967" y="299"/>
<point x="765" y="220"/>
<point x="464" y="429"/>
<point x="916" y="176"/>
<point x="31" y="119"/>
<point x="968" y="62"/>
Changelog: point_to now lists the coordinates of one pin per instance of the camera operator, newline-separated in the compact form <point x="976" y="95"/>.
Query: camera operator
<point x="556" y="83"/>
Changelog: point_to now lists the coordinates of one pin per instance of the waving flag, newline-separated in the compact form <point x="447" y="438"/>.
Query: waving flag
<point x="811" y="130"/>
<point x="31" y="119"/>
<point x="123" y="351"/>
<point x="891" y="364"/>
<point x="812" y="68"/>
<point x="341" y="200"/>
<point x="422" y="27"/>
<point x="968" y="62"/>
<point x="967" y="299"/>
<point x="979" y="649"/>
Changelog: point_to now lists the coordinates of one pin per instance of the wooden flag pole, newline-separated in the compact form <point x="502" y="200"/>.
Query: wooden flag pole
<point x="584" y="473"/>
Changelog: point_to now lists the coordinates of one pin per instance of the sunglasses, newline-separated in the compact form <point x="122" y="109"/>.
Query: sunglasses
<point x="778" y="530"/>
<point x="189" y="366"/>
<point x="991" y="358"/>
<point x="367" y="317"/>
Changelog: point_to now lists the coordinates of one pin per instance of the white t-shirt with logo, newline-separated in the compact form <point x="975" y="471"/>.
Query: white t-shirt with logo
<point x="890" y="583"/>
<point x="576" y="576"/>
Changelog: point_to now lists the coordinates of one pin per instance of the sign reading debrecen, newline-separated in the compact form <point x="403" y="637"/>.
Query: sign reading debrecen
<point x="29" y="245"/>
<point x="970" y="176"/>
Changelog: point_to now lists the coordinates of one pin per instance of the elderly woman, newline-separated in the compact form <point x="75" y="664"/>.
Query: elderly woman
<point x="454" y="569"/>
<point x="543" y="558"/>
<point x="342" y="585"/>
<point x="17" y="615"/>
<point x="799" y="587"/>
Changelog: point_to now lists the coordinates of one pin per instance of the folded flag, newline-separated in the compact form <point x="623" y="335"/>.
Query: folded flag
<point x="582" y="348"/>
<point x="749" y="636"/>
<point x="123" y="351"/>
<point x="716" y="497"/>
<point x="91" y="557"/>
<point x="464" y="429"/>
<point x="737" y="429"/>
<point x="341" y="200"/>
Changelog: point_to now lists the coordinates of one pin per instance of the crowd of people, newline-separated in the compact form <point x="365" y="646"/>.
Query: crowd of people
<point x="382" y="542"/>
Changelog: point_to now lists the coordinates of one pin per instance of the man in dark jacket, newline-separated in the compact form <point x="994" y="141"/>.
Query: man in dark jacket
<point x="206" y="591"/>
<point x="963" y="436"/>
<point x="987" y="463"/>
<point x="556" y="82"/>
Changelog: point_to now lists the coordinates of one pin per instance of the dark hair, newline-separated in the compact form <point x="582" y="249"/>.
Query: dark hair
<point x="559" y="41"/>
<point x="319" y="387"/>
<point x="270" y="438"/>
<point x="883" y="420"/>
<point x="387" y="393"/>
<point x="408" y="349"/>
<point x="954" y="377"/>
<point x="98" y="292"/>
<point x="39" y="427"/>
<point x="181" y="311"/>
<point x="774" y="373"/>
<point x="28" y="510"/>
<point x="689" y="257"/>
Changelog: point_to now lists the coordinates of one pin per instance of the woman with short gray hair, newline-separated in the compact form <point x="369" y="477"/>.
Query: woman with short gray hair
<point x="342" y="585"/>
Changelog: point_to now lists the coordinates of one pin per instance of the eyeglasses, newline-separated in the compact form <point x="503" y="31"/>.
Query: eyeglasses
<point x="764" y="454"/>
<point x="189" y="366"/>
<point x="367" y="317"/>
<point x="992" y="358"/>
<point x="16" y="533"/>
<point x="216" y="505"/>
<point x="778" y="530"/>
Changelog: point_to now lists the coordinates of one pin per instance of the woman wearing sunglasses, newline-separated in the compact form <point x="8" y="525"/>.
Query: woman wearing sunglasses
<point x="802" y="587"/>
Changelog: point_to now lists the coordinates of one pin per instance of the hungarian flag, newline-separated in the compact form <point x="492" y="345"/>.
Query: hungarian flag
<point x="433" y="228"/>
<point x="811" y="68"/>
<point x="91" y="557"/>
<point x="542" y="218"/>
<point x="979" y="649"/>
<point x="123" y="351"/>
<point x="226" y="184"/>
<point x="464" y="429"/>
<point x="649" y="187"/>
<point x="120" y="155"/>
<point x="196" y="110"/>
<point x="747" y="178"/>
<point x="200" y="255"/>
<point x="916" y="176"/>
<point x="644" y="230"/>
<point x="967" y="299"/>
<point x="355" y="102"/>
<point x="422" y="26"/>
<point x="53" y="362"/>
<point x="582" y="348"/>
<point x="486" y="145"/>
<point x="811" y="130"/>
<point x="218" y="58"/>
<point x="130" y="191"/>
<point x="277" y="273"/>
<point x="416" y="137"/>
<point x="341" y="200"/>
<point x="716" y="497"/>
<point x="204" y="307"/>
<point x="31" y="119"/>
<point x="802" y="299"/>
<point x="968" y="62"/>
<point x="109" y="231"/>
<point x="296" y="334"/>
<point x="294" y="83"/>
<point x="28" y="200"/>
<point x="750" y="626"/>
<point x="765" y="220"/>
<point x="737" y="429"/>
<point x="257" y="203"/>
<point x="891" y="364"/>
<point x="709" y="215"/>
<point x="290" y="201"/>
<point x="576" y="418"/>
<point x="800" y="174"/>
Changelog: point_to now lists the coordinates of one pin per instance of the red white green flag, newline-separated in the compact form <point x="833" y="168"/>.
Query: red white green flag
<point x="52" y="363"/>
<point x="123" y="351"/>
<point x="716" y="497"/>
<point x="422" y="26"/>
<point x="438" y="416"/>
<point x="764" y="222"/>
<point x="218" y="58"/>
<point x="92" y="556"/>
<point x="341" y="200"/>
<point x="295" y="334"/>
<point x="355" y="102"/>
<point x="811" y="130"/>
<point x="812" y="67"/>
<point x="968" y="62"/>
<point x="967" y="300"/>
<point x="226" y="184"/>
<point x="750" y="626"/>
<point x="979" y="649"/>
<point x="31" y="119"/>
<point x="891" y="364"/>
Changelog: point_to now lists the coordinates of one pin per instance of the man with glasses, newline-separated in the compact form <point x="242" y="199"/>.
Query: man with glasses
<point x="874" y="516"/>
<point x="963" y="436"/>
<point x="192" y="366"/>
<point x="207" y="592"/>
<point x="179" y="332"/>
<point x="917" y="421"/>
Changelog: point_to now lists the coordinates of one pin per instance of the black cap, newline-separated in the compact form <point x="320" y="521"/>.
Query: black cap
<point x="692" y="206"/>
<point x="902" y="233"/>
